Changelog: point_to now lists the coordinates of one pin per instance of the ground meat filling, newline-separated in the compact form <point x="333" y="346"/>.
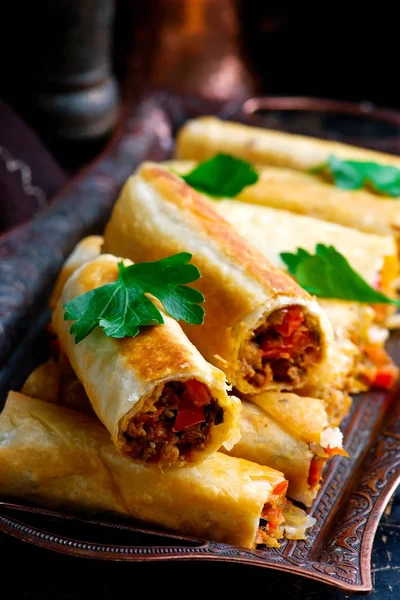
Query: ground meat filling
<point x="282" y="349"/>
<point x="177" y="424"/>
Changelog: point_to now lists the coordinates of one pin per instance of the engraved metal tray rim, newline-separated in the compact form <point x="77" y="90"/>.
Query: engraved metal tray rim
<point x="351" y="500"/>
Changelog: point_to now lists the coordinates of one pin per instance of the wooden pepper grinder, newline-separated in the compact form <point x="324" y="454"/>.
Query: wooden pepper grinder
<point x="60" y="79"/>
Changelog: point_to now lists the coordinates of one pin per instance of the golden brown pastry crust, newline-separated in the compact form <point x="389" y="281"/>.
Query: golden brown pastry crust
<point x="203" y="216"/>
<point x="304" y="417"/>
<point x="121" y="376"/>
<point x="273" y="231"/>
<point x="157" y="215"/>
<point x="203" y="137"/>
<point x="85" y="250"/>
<point x="306" y="194"/>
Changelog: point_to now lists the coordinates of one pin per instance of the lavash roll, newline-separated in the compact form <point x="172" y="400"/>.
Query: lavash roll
<point x="158" y="214"/>
<point x="138" y="386"/>
<point x="307" y="194"/>
<point x="203" y="137"/>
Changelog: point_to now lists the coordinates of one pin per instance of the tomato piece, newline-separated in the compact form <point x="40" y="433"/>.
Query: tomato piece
<point x="315" y="472"/>
<point x="286" y="346"/>
<point x="293" y="318"/>
<point x="282" y="351"/>
<point x="198" y="392"/>
<point x="274" y="516"/>
<point x="280" y="488"/>
<point x="386" y="378"/>
<point x="187" y="417"/>
<point x="191" y="407"/>
<point x="274" y="348"/>
<point x="302" y="338"/>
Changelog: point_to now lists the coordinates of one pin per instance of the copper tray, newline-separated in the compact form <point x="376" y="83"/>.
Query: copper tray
<point x="355" y="491"/>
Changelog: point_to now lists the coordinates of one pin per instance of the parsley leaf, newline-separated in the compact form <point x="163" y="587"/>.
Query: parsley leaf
<point x="353" y="175"/>
<point x="327" y="274"/>
<point x="222" y="176"/>
<point x="121" y="308"/>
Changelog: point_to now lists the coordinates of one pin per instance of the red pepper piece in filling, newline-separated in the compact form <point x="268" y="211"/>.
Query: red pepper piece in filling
<point x="280" y="488"/>
<point x="187" y="417"/>
<point x="274" y="516"/>
<point x="295" y="337"/>
<point x="198" y="392"/>
<point x="293" y="318"/>
<point x="315" y="472"/>
<point x="276" y="349"/>
<point x="191" y="408"/>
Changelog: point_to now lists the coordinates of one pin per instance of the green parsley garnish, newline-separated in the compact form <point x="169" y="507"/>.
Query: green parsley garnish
<point x="222" y="176"/>
<point x="327" y="274"/>
<point x="121" y="308"/>
<point x="353" y="175"/>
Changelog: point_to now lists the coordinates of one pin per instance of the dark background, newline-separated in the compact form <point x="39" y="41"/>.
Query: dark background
<point x="219" y="48"/>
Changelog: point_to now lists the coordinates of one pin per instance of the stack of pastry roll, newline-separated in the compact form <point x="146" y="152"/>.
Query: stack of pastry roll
<point x="280" y="430"/>
<point x="292" y="434"/>
<point x="209" y="430"/>
<point x="249" y="305"/>
<point x="136" y="384"/>
<point x="62" y="459"/>
<point x="133" y="459"/>
<point x="284" y="180"/>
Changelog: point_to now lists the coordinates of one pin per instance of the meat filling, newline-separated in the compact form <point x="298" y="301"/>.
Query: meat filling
<point x="272" y="516"/>
<point x="282" y="349"/>
<point x="176" y="425"/>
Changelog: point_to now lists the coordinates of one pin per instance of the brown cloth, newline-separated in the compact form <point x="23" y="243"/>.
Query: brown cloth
<point x="29" y="175"/>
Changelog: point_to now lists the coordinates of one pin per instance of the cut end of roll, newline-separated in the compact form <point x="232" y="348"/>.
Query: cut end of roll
<point x="270" y="528"/>
<point x="281" y="519"/>
<point x="281" y="351"/>
<point x="175" y="426"/>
